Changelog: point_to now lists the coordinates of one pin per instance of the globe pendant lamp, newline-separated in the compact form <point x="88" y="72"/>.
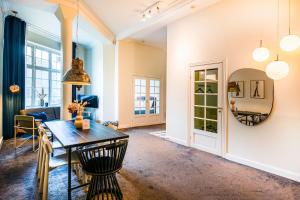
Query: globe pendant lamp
<point x="261" y="53"/>
<point x="76" y="75"/>
<point x="277" y="69"/>
<point x="290" y="42"/>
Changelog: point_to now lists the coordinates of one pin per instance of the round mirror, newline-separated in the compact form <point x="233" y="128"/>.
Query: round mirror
<point x="250" y="96"/>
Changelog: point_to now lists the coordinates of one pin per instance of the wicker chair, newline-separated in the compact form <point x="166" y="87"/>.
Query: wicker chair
<point x="102" y="163"/>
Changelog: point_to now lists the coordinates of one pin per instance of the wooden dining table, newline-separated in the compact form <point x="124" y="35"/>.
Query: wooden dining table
<point x="70" y="138"/>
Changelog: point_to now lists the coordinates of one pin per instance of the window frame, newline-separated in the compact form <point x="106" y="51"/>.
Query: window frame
<point x="33" y="67"/>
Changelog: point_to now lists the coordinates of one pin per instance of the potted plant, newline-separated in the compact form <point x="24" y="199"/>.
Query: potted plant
<point x="41" y="96"/>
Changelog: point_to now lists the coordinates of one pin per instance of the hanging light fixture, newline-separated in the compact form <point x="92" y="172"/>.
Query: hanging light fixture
<point x="76" y="75"/>
<point x="14" y="88"/>
<point x="277" y="69"/>
<point x="290" y="42"/>
<point x="150" y="11"/>
<point x="261" y="53"/>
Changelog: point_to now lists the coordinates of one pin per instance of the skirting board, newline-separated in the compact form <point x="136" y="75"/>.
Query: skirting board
<point x="176" y="140"/>
<point x="268" y="168"/>
<point x="1" y="142"/>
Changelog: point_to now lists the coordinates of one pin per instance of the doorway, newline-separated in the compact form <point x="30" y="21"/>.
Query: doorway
<point x="147" y="95"/>
<point x="206" y="107"/>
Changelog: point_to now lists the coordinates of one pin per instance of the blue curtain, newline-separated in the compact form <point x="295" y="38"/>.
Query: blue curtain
<point x="73" y="86"/>
<point x="13" y="71"/>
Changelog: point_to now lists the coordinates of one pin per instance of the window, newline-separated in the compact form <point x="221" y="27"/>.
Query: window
<point x="154" y="96"/>
<point x="140" y="97"/>
<point x="43" y="72"/>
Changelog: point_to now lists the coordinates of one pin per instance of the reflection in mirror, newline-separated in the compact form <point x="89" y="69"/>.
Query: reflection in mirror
<point x="250" y="96"/>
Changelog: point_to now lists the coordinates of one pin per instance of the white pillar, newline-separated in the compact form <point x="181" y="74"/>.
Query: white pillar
<point x="66" y="15"/>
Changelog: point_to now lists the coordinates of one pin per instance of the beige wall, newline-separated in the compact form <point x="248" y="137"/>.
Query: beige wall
<point x="231" y="30"/>
<point x="136" y="59"/>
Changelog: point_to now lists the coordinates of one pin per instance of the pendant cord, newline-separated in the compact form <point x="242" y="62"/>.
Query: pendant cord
<point x="289" y="17"/>
<point x="77" y="28"/>
<point x="277" y="36"/>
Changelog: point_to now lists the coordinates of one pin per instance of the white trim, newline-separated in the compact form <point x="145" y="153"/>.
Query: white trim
<point x="176" y="140"/>
<point x="1" y="142"/>
<point x="268" y="168"/>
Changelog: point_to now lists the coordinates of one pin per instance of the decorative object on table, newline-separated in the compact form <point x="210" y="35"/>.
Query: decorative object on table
<point x="76" y="75"/>
<point x="290" y="42"/>
<point x="77" y="107"/>
<point x="42" y="96"/>
<point x="277" y="69"/>
<point x="257" y="104"/>
<point x="257" y="89"/>
<point x="232" y="103"/>
<point x="14" y="89"/>
<point x="86" y="124"/>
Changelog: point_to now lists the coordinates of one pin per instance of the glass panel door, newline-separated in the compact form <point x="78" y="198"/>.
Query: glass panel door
<point x="140" y="97"/>
<point x="206" y="120"/>
<point x="206" y="100"/>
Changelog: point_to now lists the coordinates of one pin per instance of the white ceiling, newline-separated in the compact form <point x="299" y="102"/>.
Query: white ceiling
<point x="123" y="17"/>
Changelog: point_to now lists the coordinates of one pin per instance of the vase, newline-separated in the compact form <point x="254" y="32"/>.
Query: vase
<point x="42" y="102"/>
<point x="78" y="121"/>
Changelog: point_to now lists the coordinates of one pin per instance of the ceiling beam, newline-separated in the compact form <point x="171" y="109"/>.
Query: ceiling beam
<point x="90" y="16"/>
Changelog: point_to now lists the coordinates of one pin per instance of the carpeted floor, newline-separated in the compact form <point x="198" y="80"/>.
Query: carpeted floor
<point x="154" y="169"/>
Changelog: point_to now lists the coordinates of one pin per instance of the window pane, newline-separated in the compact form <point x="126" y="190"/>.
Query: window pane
<point x="199" y="112"/>
<point x="211" y="87"/>
<point x="212" y="113"/>
<point x="199" y="124"/>
<point x="211" y="126"/>
<point x="199" y="87"/>
<point x="212" y="74"/>
<point x="212" y="100"/>
<point x="199" y="75"/>
<point x="199" y="100"/>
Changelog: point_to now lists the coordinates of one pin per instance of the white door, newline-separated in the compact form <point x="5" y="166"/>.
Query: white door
<point x="206" y="107"/>
<point x="147" y="108"/>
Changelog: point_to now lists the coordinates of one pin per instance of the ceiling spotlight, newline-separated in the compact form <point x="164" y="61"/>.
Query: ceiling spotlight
<point x="149" y="14"/>
<point x="143" y="17"/>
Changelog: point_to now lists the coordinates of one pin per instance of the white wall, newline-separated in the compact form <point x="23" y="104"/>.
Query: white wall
<point x="94" y="67"/>
<point x="109" y="83"/>
<point x="136" y="59"/>
<point x="231" y="30"/>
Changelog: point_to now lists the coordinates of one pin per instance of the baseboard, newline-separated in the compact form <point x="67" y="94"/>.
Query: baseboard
<point x="1" y="142"/>
<point x="268" y="168"/>
<point x="176" y="140"/>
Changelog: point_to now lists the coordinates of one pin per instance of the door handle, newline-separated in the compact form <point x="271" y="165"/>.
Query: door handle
<point x="220" y="109"/>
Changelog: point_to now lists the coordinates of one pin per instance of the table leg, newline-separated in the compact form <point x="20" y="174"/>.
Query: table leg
<point x="69" y="174"/>
<point x="52" y="143"/>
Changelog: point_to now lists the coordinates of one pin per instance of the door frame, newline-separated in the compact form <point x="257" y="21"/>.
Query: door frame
<point x="224" y="126"/>
<point x="161" y="114"/>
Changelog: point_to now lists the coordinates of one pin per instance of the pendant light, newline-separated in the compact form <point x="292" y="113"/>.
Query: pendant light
<point x="76" y="75"/>
<point x="277" y="69"/>
<point x="290" y="42"/>
<point x="261" y="53"/>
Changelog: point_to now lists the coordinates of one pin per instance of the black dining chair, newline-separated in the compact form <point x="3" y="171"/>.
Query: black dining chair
<point x="102" y="163"/>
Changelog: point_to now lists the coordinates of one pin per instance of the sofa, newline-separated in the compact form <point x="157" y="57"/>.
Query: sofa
<point x="53" y="113"/>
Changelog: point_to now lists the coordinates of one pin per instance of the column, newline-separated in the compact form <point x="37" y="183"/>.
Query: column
<point x="66" y="15"/>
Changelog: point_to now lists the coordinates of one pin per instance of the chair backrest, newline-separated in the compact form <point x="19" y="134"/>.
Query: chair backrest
<point x="104" y="159"/>
<point x="25" y="122"/>
<point x="46" y="144"/>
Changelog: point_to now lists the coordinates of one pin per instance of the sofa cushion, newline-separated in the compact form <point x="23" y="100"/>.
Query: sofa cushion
<point x="53" y="113"/>
<point x="41" y="115"/>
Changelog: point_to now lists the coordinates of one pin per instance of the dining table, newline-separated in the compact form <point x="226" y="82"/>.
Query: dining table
<point x="71" y="138"/>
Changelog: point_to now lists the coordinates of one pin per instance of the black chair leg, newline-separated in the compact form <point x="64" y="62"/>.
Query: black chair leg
<point x="103" y="187"/>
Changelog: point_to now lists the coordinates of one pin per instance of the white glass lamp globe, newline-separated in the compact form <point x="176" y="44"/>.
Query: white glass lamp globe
<point x="277" y="69"/>
<point x="261" y="54"/>
<point x="290" y="43"/>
